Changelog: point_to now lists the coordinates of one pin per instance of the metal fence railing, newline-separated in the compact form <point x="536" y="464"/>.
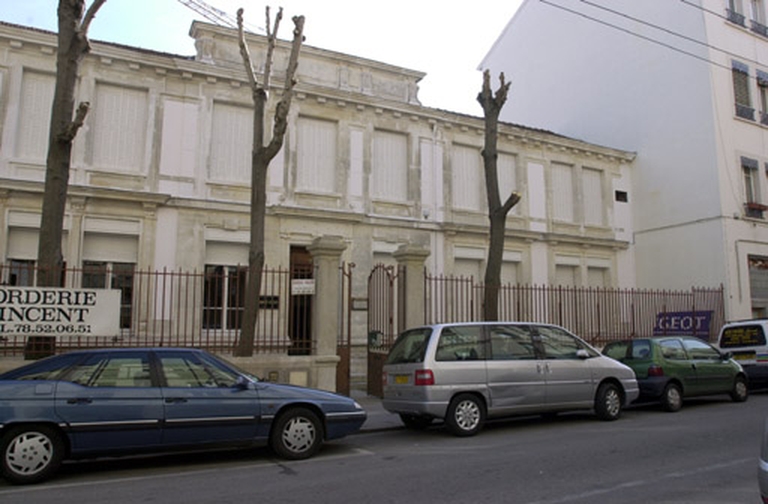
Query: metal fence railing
<point x="176" y="308"/>
<point x="597" y="314"/>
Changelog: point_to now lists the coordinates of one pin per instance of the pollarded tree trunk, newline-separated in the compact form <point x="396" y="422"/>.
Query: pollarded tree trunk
<point x="72" y="47"/>
<point x="497" y="212"/>
<point x="261" y="155"/>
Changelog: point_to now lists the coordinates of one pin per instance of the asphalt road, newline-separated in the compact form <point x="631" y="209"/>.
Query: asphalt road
<point x="706" y="453"/>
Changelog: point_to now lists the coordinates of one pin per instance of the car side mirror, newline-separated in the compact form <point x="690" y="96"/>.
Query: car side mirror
<point x="582" y="354"/>
<point x="726" y="356"/>
<point x="242" y="383"/>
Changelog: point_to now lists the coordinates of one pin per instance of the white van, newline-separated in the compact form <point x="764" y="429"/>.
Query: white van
<point x="464" y="373"/>
<point x="746" y="341"/>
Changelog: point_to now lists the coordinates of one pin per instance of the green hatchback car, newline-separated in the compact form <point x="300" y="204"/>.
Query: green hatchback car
<point x="670" y="368"/>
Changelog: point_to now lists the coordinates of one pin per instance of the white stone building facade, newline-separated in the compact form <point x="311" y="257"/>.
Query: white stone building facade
<point x="683" y="84"/>
<point x="160" y="170"/>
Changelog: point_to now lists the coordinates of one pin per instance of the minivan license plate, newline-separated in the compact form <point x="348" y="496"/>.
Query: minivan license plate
<point x="401" y="379"/>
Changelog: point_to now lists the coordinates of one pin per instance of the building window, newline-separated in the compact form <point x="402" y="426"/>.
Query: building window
<point x="592" y="189"/>
<point x="35" y="115"/>
<point x="563" y="200"/>
<point x="390" y="166"/>
<point x="735" y="12"/>
<point x="231" y="143"/>
<point x="108" y="275"/>
<point x="753" y="206"/>
<point x="598" y="277"/>
<point x="507" y="175"/>
<point x="316" y="157"/>
<point x="762" y="89"/>
<point x="223" y="296"/>
<point x="740" y="74"/>
<point x="757" y="21"/>
<point x="120" y="127"/>
<point x="21" y="273"/>
<point x="467" y="180"/>
<point x="566" y="275"/>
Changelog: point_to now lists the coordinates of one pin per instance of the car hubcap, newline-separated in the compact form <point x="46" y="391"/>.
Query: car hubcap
<point x="673" y="397"/>
<point x="741" y="389"/>
<point x="613" y="402"/>
<point x="299" y="435"/>
<point x="29" y="453"/>
<point x="467" y="415"/>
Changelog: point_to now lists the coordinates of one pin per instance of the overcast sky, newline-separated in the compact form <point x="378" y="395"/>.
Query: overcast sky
<point x="447" y="40"/>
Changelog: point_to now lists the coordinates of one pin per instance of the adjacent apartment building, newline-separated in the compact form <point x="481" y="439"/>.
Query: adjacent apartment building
<point x="685" y="85"/>
<point x="160" y="173"/>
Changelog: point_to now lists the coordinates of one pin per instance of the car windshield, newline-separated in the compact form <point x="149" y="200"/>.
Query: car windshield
<point x="410" y="346"/>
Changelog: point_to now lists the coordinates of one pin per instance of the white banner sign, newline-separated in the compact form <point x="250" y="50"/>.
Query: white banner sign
<point x="51" y="311"/>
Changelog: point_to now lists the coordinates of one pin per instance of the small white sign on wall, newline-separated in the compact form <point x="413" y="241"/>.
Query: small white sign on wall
<point x="302" y="287"/>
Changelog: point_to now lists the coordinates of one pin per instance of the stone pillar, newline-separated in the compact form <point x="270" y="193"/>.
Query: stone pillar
<point x="326" y="254"/>
<point x="412" y="258"/>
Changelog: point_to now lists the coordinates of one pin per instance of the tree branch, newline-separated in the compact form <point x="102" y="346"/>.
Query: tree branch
<point x="244" y="52"/>
<point x="92" y="10"/>
<point x="281" y="112"/>
<point x="73" y="127"/>
<point x="513" y="200"/>
<point x="271" y="43"/>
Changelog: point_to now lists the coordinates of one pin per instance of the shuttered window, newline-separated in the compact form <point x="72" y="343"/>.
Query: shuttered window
<point x="390" y="166"/>
<point x="231" y="143"/>
<point x="749" y="168"/>
<point x="120" y="116"/>
<point x="740" y="73"/>
<point x="34" y="115"/>
<point x="506" y="168"/>
<point x="592" y="183"/>
<point x="468" y="180"/>
<point x="316" y="163"/>
<point x="562" y="192"/>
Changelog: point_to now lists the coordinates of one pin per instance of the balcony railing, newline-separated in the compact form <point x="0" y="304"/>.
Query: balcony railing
<point x="745" y="112"/>
<point x="735" y="17"/>
<point x="754" y="210"/>
<point x="759" y="28"/>
<point x="764" y="118"/>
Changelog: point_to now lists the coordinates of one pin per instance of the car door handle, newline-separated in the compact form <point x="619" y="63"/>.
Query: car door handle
<point x="173" y="400"/>
<point x="79" y="400"/>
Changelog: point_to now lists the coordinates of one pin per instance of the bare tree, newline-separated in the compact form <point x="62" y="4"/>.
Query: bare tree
<point x="497" y="212"/>
<point x="262" y="153"/>
<point x="72" y="48"/>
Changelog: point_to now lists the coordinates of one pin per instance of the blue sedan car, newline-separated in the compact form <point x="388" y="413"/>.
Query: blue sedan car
<point x="115" y="402"/>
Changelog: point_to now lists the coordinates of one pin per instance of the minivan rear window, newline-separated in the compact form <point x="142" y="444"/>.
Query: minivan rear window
<point x="410" y="346"/>
<point x="461" y="343"/>
<point x="743" y="335"/>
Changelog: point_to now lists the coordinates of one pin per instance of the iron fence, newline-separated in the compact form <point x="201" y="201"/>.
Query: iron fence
<point x="177" y="308"/>
<point x="597" y="314"/>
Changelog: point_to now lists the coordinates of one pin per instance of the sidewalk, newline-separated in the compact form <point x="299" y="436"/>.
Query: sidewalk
<point x="378" y="418"/>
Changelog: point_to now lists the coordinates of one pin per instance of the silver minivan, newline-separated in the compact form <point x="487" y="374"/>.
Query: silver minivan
<point x="464" y="373"/>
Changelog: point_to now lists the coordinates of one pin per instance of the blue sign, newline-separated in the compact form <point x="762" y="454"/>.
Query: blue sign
<point x="683" y="323"/>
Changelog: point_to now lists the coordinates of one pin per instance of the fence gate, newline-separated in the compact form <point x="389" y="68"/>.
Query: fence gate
<point x="385" y="312"/>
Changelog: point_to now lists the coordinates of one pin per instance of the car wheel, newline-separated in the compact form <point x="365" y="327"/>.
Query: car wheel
<point x="608" y="402"/>
<point x="740" y="391"/>
<point x="31" y="453"/>
<point x="297" y="434"/>
<point x="672" y="397"/>
<point x="416" y="422"/>
<point x="466" y="415"/>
